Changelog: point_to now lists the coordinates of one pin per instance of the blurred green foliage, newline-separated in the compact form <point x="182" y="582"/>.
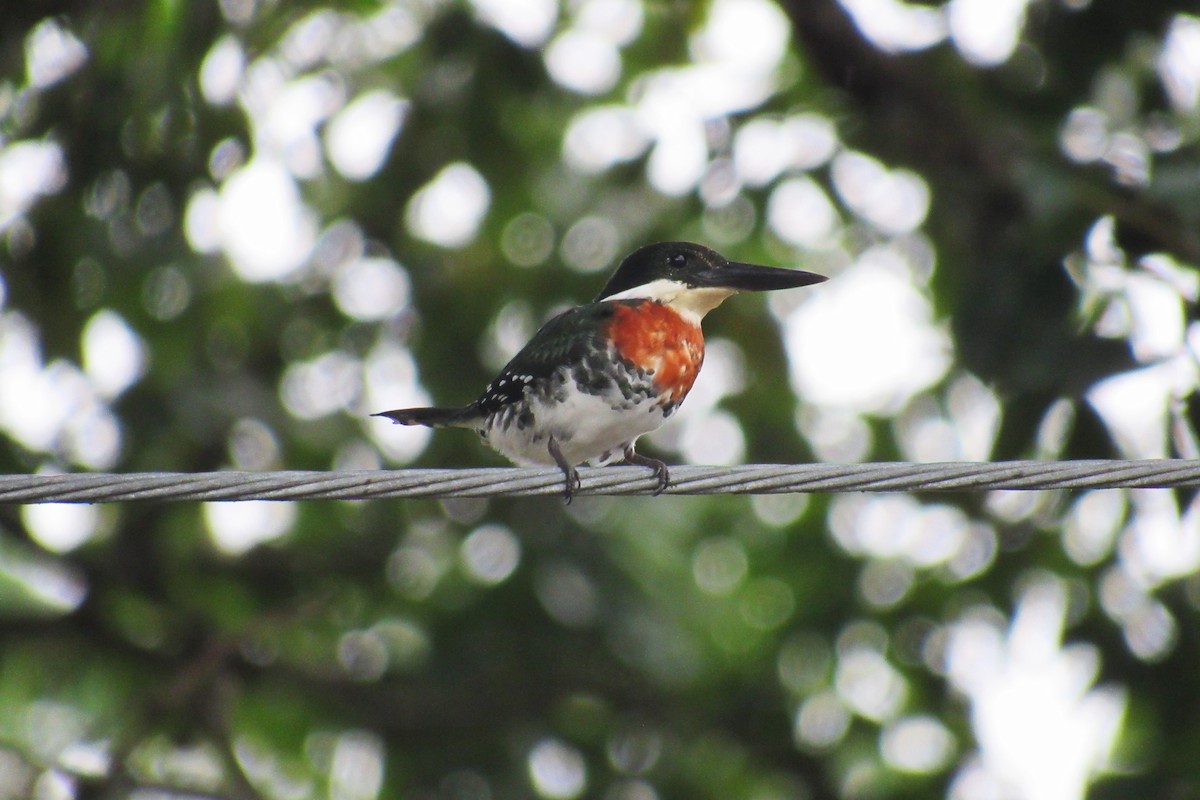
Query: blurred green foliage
<point x="626" y="649"/>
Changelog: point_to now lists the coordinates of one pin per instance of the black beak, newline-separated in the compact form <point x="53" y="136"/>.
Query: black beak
<point x="753" y="278"/>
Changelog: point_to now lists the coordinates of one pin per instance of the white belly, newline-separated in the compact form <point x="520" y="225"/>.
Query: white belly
<point x="586" y="427"/>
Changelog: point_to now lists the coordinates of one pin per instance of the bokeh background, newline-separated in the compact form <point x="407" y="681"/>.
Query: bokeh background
<point x="231" y="230"/>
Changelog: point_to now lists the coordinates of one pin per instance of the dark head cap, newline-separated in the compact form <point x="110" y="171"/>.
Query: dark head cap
<point x="696" y="266"/>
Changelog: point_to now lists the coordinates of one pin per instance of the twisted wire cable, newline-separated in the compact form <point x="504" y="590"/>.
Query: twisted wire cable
<point x="616" y="480"/>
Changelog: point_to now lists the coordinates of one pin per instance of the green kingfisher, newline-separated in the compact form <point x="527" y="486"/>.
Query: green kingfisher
<point x="596" y="377"/>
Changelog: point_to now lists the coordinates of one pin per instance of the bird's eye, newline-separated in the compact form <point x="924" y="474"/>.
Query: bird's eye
<point x="677" y="260"/>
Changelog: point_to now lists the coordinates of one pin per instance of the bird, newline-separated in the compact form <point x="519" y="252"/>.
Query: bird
<point x="597" y="376"/>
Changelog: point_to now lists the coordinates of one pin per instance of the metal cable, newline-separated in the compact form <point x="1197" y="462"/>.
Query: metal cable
<point x="616" y="480"/>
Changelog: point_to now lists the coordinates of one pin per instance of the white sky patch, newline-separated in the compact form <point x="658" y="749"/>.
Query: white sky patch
<point x="92" y="437"/>
<point x="866" y="341"/>
<point x="356" y="769"/>
<point x="1085" y="134"/>
<point x="507" y="333"/>
<point x="619" y="21"/>
<point x="986" y="31"/>
<point x="678" y="160"/>
<point x="52" y="408"/>
<point x="266" y="229"/>
<point x="201" y="221"/>
<point x="326" y="384"/>
<point x="758" y="154"/>
<point x="60" y="527"/>
<point x="221" y="71"/>
<point x="310" y="39"/>
<point x="557" y="770"/>
<point x="1183" y="279"/>
<point x="47" y="580"/>
<point x="52" y="53"/>
<point x="1100" y="244"/>
<point x="897" y="527"/>
<point x="895" y="201"/>
<point x="919" y="744"/>
<point x="252" y="445"/>
<point x="490" y="554"/>
<point x="763" y="148"/>
<point x="32" y="410"/>
<point x="820" y="721"/>
<point x="1135" y="405"/>
<point x="745" y="35"/>
<point x="28" y="170"/>
<point x="527" y="22"/>
<point x="299" y="107"/>
<point x="261" y="84"/>
<point x="976" y="414"/>
<point x="1044" y="732"/>
<point x="1149" y="628"/>
<point x="237" y="527"/>
<point x="811" y="139"/>
<point x="1156" y="317"/>
<point x="226" y="156"/>
<point x="286" y="125"/>
<point x="835" y="434"/>
<point x="736" y="54"/>
<point x="800" y="212"/>
<point x="583" y="61"/>
<point x="1128" y="155"/>
<point x="1091" y="525"/>
<point x="390" y="380"/>
<point x="360" y="136"/>
<point x="1146" y="307"/>
<point x="449" y="209"/>
<point x="869" y="685"/>
<point x="962" y="429"/>
<point x="1158" y="544"/>
<point x="701" y="92"/>
<point x="114" y="357"/>
<point x="371" y="289"/>
<point x="377" y="37"/>
<point x="601" y="137"/>
<point x="1179" y="62"/>
<point x="896" y="26"/>
<point x="715" y="438"/>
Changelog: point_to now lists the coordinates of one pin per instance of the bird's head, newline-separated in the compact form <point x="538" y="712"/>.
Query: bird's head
<point x="693" y="278"/>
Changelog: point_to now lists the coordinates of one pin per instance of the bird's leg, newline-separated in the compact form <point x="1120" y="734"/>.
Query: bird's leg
<point x="659" y="467"/>
<point x="569" y="472"/>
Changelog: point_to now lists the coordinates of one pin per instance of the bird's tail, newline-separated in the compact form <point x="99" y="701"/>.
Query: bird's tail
<point x="463" y="417"/>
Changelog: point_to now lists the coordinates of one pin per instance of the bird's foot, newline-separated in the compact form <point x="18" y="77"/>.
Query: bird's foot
<point x="570" y="474"/>
<point x="660" y="468"/>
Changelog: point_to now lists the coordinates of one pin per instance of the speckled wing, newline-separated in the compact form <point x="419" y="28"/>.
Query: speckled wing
<point x="565" y="342"/>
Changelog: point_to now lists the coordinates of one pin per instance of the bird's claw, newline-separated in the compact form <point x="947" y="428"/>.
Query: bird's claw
<point x="663" y="476"/>
<point x="572" y="483"/>
<point x="661" y="473"/>
<point x="570" y="474"/>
